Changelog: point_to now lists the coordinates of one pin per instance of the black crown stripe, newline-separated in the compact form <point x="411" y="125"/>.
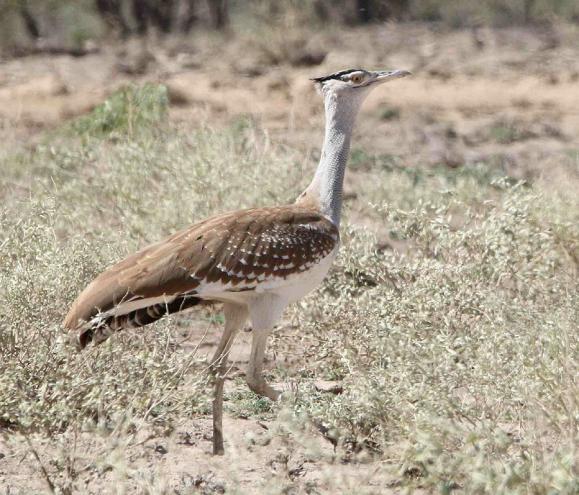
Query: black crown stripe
<point x="336" y="75"/>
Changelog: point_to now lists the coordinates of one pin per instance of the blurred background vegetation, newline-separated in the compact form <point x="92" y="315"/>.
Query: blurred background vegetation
<point x="69" y="25"/>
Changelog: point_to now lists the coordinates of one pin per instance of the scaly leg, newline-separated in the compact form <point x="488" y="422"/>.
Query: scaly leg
<point x="235" y="317"/>
<point x="255" y="378"/>
<point x="265" y="311"/>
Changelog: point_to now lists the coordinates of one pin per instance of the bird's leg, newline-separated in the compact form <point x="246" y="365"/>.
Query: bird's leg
<point x="235" y="317"/>
<point x="265" y="311"/>
<point x="255" y="378"/>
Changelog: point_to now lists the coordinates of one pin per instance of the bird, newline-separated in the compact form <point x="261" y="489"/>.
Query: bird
<point x="255" y="262"/>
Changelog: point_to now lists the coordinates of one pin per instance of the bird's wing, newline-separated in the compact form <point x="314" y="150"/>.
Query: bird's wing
<point x="230" y="252"/>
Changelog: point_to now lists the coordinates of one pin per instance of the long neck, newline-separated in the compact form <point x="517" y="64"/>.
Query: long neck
<point x="326" y="187"/>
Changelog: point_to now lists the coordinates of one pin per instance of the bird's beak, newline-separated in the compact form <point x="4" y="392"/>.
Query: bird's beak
<point x="387" y="75"/>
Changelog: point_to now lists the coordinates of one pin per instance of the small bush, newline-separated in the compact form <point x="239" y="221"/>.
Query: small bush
<point x="453" y="346"/>
<point x="129" y="110"/>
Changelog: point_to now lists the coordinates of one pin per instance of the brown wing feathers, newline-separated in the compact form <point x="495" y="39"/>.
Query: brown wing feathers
<point x="232" y="252"/>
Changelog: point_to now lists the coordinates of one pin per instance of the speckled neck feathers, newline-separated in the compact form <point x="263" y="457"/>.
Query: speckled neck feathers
<point x="325" y="190"/>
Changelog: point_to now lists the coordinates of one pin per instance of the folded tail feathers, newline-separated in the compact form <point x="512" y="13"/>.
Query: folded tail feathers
<point x="100" y="328"/>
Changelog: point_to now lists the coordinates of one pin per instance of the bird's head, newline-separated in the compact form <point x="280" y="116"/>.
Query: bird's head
<point x="355" y="84"/>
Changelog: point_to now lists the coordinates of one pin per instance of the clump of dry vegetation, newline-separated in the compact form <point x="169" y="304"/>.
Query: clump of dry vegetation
<point x="78" y="206"/>
<point x="456" y="352"/>
<point x="460" y="355"/>
<point x="74" y="206"/>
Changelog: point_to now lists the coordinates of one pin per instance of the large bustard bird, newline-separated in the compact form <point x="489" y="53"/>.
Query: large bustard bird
<point x="255" y="261"/>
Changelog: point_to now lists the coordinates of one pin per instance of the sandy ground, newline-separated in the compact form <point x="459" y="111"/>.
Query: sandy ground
<point x="461" y="85"/>
<point x="262" y="454"/>
<point x="508" y="95"/>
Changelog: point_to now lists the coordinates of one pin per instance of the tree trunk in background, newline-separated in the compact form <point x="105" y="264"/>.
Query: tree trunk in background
<point x="321" y="10"/>
<point x="364" y="11"/>
<point x="189" y="16"/>
<point x="111" y="13"/>
<point x="141" y="15"/>
<point x="381" y="10"/>
<point x="29" y="21"/>
<point x="397" y="9"/>
<point x="162" y="14"/>
<point x="219" y="13"/>
<point x="528" y="10"/>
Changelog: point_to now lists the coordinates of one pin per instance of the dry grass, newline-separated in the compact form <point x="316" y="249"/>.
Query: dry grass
<point x="463" y="350"/>
<point x="457" y="351"/>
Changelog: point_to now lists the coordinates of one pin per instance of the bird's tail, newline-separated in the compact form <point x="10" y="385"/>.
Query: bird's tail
<point x="99" y="329"/>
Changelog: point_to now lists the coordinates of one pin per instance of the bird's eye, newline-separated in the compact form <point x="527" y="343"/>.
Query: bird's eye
<point x="357" y="78"/>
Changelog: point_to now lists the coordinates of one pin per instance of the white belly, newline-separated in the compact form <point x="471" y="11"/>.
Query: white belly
<point x="301" y="284"/>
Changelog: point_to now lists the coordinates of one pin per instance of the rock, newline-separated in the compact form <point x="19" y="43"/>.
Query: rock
<point x="329" y="387"/>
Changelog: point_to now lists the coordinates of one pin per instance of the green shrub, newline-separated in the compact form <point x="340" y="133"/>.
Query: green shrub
<point x="128" y="111"/>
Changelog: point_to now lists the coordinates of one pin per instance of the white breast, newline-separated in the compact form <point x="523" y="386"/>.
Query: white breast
<point x="296" y="286"/>
<point x="291" y="288"/>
